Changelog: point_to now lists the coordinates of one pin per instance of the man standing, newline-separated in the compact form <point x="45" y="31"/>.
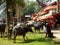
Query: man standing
<point x="48" y="30"/>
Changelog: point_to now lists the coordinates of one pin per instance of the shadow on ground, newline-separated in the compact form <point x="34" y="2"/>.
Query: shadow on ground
<point x="38" y="39"/>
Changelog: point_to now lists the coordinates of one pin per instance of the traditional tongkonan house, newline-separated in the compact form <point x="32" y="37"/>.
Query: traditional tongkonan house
<point x="49" y="13"/>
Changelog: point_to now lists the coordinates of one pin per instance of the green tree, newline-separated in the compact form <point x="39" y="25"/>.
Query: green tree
<point x="16" y="5"/>
<point x="33" y="7"/>
<point x="8" y="6"/>
<point x="19" y="6"/>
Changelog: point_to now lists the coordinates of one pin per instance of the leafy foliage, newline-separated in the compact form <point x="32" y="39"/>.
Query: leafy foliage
<point x="14" y="2"/>
<point x="20" y="2"/>
<point x="31" y="8"/>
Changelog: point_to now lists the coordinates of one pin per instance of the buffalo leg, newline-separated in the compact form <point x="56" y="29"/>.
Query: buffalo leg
<point x="35" y="30"/>
<point x="15" y="38"/>
<point x="1" y="34"/>
<point x="9" y="36"/>
<point x="38" y="30"/>
<point x="46" y="35"/>
<point x="24" y="37"/>
<point x="15" y="35"/>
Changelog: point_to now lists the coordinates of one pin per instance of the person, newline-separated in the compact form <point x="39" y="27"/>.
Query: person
<point x="48" y="30"/>
<point x="56" y="22"/>
<point x="44" y="27"/>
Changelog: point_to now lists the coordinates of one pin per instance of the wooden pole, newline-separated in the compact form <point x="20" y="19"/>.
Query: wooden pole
<point x="58" y="10"/>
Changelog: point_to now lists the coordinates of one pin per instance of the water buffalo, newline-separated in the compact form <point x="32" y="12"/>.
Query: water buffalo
<point x="2" y="28"/>
<point x="37" y="26"/>
<point x="21" y="30"/>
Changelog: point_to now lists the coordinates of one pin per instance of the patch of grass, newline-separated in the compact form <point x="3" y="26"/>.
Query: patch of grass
<point x="33" y="39"/>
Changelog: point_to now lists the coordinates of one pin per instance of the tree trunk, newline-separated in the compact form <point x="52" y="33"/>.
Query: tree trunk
<point x="8" y="18"/>
<point x="20" y="8"/>
<point x="18" y="13"/>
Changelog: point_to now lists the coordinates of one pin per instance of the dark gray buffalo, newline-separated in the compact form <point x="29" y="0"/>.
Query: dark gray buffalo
<point x="37" y="26"/>
<point x="21" y="30"/>
<point x="2" y="28"/>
